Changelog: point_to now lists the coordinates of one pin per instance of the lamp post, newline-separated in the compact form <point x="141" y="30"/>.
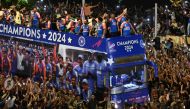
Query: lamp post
<point x="155" y="29"/>
<point x="83" y="2"/>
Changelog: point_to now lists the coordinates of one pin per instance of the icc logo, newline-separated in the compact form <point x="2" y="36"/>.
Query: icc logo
<point x="142" y="43"/>
<point x="111" y="47"/>
<point x="81" y="41"/>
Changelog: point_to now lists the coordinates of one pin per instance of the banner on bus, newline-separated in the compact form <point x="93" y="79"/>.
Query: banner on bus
<point x="55" y="37"/>
<point x="138" y="96"/>
<point x="128" y="46"/>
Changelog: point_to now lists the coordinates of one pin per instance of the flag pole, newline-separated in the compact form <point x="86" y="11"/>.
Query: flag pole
<point x="155" y="29"/>
<point x="83" y="2"/>
<point x="82" y="11"/>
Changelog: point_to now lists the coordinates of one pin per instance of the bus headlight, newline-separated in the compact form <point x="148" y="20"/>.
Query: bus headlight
<point x="116" y="106"/>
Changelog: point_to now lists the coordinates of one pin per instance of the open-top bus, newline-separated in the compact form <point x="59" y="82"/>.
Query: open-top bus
<point x="126" y="57"/>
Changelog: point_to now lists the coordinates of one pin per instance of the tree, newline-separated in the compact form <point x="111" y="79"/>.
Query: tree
<point x="22" y="3"/>
<point x="7" y="3"/>
<point x="19" y="3"/>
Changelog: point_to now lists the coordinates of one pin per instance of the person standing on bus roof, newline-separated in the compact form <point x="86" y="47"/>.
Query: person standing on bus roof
<point x="101" y="28"/>
<point x="87" y="9"/>
<point x="18" y="17"/>
<point x="113" y="26"/>
<point x="126" y="28"/>
<point x="61" y="24"/>
<point x="78" y="26"/>
<point x="1" y="14"/>
<point x="90" y="69"/>
<point x="85" y="29"/>
<point x="35" y="18"/>
<point x="11" y="18"/>
<point x="123" y="18"/>
<point x="47" y="23"/>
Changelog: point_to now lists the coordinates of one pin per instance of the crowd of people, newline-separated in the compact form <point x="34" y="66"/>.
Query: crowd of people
<point x="100" y="20"/>
<point x="44" y="80"/>
<point x="102" y="26"/>
<point x="171" y="89"/>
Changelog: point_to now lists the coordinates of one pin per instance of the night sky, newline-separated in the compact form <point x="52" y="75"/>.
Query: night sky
<point x="128" y="3"/>
<point x="145" y="3"/>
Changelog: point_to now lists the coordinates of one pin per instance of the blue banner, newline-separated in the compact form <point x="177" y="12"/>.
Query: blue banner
<point x="137" y="96"/>
<point x="53" y="37"/>
<point x="125" y="46"/>
<point x="117" y="47"/>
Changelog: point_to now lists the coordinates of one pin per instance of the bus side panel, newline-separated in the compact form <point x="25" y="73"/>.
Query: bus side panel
<point x="137" y="96"/>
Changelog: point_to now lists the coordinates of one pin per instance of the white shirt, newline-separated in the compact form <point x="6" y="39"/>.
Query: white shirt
<point x="10" y="102"/>
<point x="60" y="69"/>
<point x="19" y="61"/>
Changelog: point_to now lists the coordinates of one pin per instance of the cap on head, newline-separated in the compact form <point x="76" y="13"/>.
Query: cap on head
<point x="85" y="81"/>
<point x="80" y="56"/>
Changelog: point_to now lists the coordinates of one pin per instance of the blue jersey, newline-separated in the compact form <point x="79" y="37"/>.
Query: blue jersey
<point x="39" y="73"/>
<point x="102" y="75"/>
<point x="70" y="75"/>
<point x="123" y="19"/>
<point x="76" y="89"/>
<point x="77" y="28"/>
<point x="35" y="21"/>
<point x="78" y="70"/>
<point x="86" y="95"/>
<point x="48" y="69"/>
<point x="189" y="21"/>
<point x="113" y="26"/>
<point x="11" y="19"/>
<point x="61" y="25"/>
<point x="90" y="68"/>
<point x="126" y="29"/>
<point x="100" y="30"/>
<point x="85" y="29"/>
